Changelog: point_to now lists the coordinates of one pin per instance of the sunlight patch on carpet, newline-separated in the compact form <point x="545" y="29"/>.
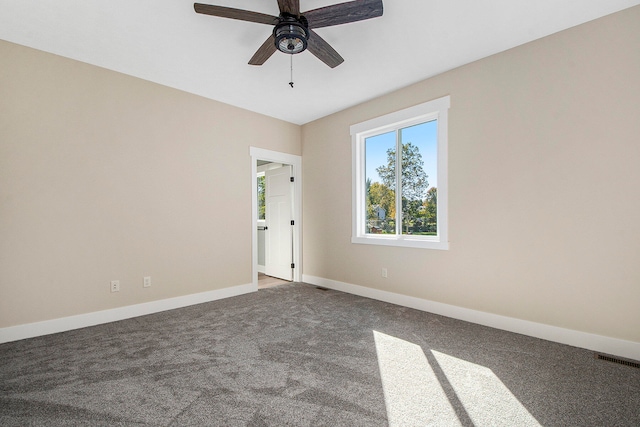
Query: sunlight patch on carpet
<point x="486" y="399"/>
<point x="412" y="393"/>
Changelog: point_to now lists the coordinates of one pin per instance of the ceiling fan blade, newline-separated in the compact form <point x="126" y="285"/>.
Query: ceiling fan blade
<point x="344" y="13"/>
<point x="264" y="52"/>
<point x="323" y="50"/>
<point x="291" y="7"/>
<point x="229" y="12"/>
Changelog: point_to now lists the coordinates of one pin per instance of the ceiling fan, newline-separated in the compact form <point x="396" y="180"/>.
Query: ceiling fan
<point x="293" y="31"/>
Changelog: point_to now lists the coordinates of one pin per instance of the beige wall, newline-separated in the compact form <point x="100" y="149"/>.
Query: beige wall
<point x="104" y="176"/>
<point x="544" y="176"/>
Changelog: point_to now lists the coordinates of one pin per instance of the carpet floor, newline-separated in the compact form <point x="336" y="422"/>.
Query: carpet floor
<point x="294" y="355"/>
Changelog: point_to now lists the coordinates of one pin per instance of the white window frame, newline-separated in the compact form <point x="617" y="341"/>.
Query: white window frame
<point x="433" y="110"/>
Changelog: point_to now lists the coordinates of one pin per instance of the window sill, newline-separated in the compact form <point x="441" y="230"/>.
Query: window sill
<point x="404" y="241"/>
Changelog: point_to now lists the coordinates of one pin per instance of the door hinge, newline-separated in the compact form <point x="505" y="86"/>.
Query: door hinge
<point x="291" y="179"/>
<point x="293" y="222"/>
<point x="293" y="265"/>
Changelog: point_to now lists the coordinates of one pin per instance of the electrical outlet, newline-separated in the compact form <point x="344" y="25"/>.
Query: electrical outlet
<point x="384" y="273"/>
<point x="147" y="282"/>
<point x="115" y="286"/>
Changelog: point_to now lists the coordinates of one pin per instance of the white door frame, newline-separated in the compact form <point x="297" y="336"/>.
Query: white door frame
<point x="296" y="171"/>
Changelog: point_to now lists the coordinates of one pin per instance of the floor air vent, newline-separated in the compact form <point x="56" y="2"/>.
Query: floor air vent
<point x="617" y="360"/>
<point x="321" y="288"/>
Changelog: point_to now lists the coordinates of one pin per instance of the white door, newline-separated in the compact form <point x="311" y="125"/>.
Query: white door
<point x="279" y="231"/>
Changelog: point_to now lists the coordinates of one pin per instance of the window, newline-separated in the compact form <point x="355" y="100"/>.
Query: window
<point x="400" y="178"/>
<point x="261" y="196"/>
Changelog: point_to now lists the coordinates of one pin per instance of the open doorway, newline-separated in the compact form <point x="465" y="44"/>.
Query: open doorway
<point x="276" y="215"/>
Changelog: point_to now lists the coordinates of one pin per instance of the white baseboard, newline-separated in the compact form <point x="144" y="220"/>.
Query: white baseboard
<point x="260" y="268"/>
<point x="599" y="343"/>
<point x="30" y="330"/>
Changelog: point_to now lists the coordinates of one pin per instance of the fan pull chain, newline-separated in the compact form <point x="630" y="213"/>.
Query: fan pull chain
<point x="291" y="82"/>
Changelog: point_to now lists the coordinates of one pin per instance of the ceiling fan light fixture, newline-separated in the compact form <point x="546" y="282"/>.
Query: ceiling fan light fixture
<point x="290" y="37"/>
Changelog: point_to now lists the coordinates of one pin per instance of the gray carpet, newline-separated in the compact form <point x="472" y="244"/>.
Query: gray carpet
<point x="294" y="355"/>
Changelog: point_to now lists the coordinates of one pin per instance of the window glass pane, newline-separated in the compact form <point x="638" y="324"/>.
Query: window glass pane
<point x="380" y="185"/>
<point x="419" y="178"/>
<point x="261" y="197"/>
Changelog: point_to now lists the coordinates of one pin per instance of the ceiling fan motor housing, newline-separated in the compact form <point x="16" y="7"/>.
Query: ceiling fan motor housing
<point x="291" y="34"/>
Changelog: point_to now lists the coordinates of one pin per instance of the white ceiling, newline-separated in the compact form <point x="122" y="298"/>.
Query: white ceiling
<point x="166" y="42"/>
